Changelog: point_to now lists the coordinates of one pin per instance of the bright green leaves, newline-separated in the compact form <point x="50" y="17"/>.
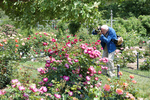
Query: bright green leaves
<point x="28" y="13"/>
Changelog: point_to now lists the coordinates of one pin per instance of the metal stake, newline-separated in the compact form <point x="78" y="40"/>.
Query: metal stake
<point x="118" y="70"/>
<point x="137" y="61"/>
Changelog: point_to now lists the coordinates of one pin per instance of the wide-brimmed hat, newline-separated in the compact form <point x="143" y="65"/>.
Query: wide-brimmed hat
<point x="120" y="41"/>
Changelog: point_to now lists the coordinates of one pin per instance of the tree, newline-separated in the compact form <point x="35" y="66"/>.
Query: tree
<point x="31" y="12"/>
<point x="127" y="8"/>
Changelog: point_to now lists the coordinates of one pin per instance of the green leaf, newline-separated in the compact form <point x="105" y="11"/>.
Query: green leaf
<point x="96" y="99"/>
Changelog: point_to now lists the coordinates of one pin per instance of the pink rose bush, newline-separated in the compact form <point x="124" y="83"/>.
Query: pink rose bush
<point x="73" y="70"/>
<point x="26" y="92"/>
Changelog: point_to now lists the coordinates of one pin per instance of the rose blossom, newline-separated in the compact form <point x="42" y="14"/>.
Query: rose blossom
<point x="107" y="87"/>
<point x="2" y="92"/>
<point x="57" y="96"/>
<point x="21" y="88"/>
<point x="47" y="65"/>
<point x="120" y="73"/>
<point x="75" y="60"/>
<point x="26" y="95"/>
<point x="41" y="70"/>
<point x="96" y="78"/>
<point x="70" y="93"/>
<point x="133" y="81"/>
<point x="50" y="84"/>
<point x="14" y="81"/>
<point x="88" y="78"/>
<point x="43" y="89"/>
<point x="45" y="79"/>
<point x="119" y="91"/>
<point x="131" y="76"/>
<point x="66" y="78"/>
<point x="99" y="72"/>
<point x="67" y="65"/>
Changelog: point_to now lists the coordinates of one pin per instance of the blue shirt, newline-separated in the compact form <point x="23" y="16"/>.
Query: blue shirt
<point x="107" y="40"/>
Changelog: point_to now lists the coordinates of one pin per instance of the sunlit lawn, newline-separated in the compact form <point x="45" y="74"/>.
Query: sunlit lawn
<point x="143" y="83"/>
<point x="27" y="71"/>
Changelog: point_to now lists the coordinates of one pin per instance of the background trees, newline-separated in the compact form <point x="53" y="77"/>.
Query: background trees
<point x="31" y="12"/>
<point x="28" y="13"/>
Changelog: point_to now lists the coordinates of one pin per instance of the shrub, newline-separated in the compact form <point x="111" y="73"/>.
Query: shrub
<point x="8" y="29"/>
<point x="130" y="29"/>
<point x="72" y="71"/>
<point x="146" y="64"/>
<point x="5" y="73"/>
<point x="145" y="20"/>
<point x="74" y="27"/>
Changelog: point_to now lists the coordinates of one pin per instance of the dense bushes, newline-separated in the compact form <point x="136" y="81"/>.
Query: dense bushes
<point x="5" y="73"/>
<point x="74" y="27"/>
<point x="145" y="20"/>
<point x="126" y="9"/>
<point x="131" y="29"/>
<point x="73" y="71"/>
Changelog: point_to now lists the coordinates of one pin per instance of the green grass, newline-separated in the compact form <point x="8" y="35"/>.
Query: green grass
<point x="139" y="72"/>
<point x="27" y="72"/>
<point x="143" y="83"/>
<point x="34" y="65"/>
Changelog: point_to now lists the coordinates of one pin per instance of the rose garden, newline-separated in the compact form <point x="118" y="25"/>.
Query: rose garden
<point x="63" y="61"/>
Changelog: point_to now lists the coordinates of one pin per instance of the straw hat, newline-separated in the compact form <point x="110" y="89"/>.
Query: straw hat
<point x="120" y="40"/>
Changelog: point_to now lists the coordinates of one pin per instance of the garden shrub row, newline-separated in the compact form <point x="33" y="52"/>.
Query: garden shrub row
<point x="73" y="71"/>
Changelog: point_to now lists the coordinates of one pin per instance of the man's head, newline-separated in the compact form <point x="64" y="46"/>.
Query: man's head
<point x="104" y="29"/>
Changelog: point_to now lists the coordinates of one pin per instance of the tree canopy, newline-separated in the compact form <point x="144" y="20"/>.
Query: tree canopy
<point x="29" y="12"/>
<point x="126" y="9"/>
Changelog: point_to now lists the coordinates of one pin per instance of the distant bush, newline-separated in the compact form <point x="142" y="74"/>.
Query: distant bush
<point x="146" y="64"/>
<point x="74" y="27"/>
<point x="8" y="29"/>
<point x="5" y="73"/>
<point x="145" y="20"/>
<point x="131" y="29"/>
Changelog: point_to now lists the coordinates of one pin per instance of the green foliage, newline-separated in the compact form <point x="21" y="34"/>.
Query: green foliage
<point x="126" y="9"/>
<point x="83" y="34"/>
<point x="62" y="28"/>
<point x="28" y="13"/>
<point x="74" y="27"/>
<point x="5" y="73"/>
<point x="8" y="29"/>
<point x="145" y="21"/>
<point x="146" y="64"/>
<point x="125" y="56"/>
<point x="131" y="29"/>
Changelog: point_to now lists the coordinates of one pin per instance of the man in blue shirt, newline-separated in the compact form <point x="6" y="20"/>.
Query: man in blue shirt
<point x="107" y="34"/>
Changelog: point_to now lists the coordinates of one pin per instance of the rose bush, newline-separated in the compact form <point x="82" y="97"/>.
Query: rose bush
<point x="120" y="89"/>
<point x="146" y="64"/>
<point x="73" y="71"/>
<point x="127" y="55"/>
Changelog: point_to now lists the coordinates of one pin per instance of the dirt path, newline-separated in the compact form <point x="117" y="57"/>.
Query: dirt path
<point x="134" y="65"/>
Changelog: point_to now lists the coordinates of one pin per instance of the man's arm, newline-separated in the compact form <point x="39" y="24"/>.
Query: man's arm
<point x="108" y="39"/>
